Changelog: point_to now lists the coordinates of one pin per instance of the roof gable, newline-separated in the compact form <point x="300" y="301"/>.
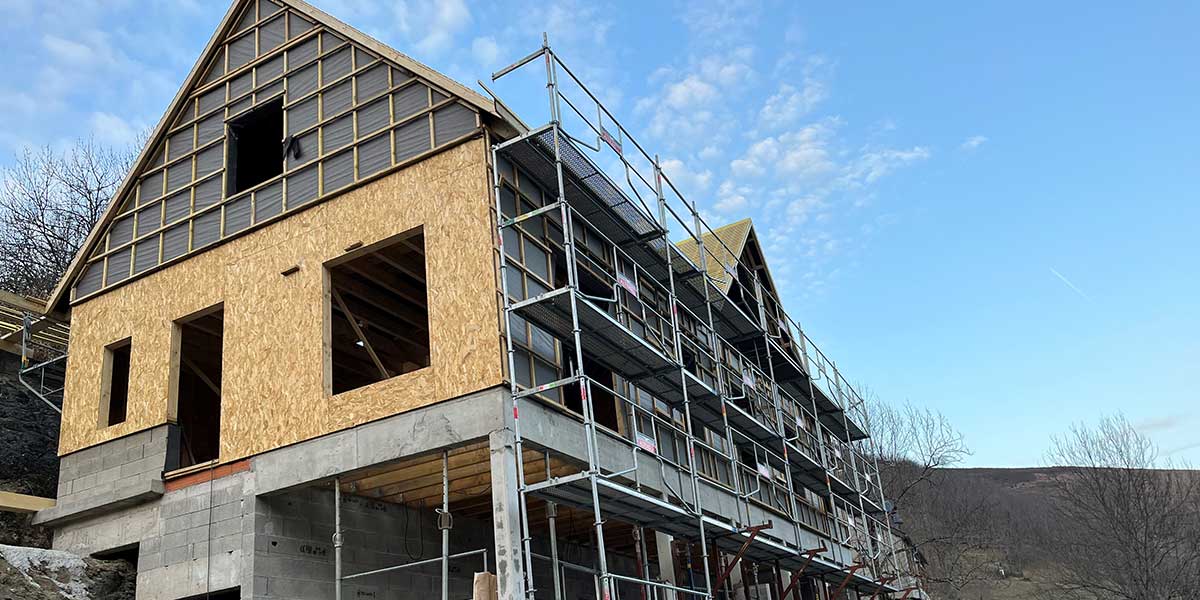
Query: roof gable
<point x="723" y="248"/>
<point x="355" y="108"/>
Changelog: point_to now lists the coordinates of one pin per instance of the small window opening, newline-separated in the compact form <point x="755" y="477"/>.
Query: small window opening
<point x="115" y="401"/>
<point x="378" y="312"/>
<point x="199" y="391"/>
<point x="255" y="147"/>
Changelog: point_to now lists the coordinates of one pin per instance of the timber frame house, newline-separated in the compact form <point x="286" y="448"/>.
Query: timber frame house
<point x="352" y="329"/>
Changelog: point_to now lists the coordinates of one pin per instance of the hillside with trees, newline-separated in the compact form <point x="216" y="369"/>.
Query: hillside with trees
<point x="1119" y="523"/>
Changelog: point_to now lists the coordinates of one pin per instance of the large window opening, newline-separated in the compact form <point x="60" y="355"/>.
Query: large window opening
<point x="255" y="147"/>
<point x="115" y="400"/>
<point x="199" y="391"/>
<point x="378" y="312"/>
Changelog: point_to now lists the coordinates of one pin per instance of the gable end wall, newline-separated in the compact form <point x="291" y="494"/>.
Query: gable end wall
<point x="275" y="342"/>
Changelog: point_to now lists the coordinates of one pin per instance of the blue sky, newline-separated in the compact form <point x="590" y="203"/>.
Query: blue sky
<point x="986" y="209"/>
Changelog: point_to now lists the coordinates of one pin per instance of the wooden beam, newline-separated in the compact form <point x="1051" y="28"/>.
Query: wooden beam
<point x="354" y="324"/>
<point x="7" y="346"/>
<point x="393" y="263"/>
<point x="22" y="503"/>
<point x="29" y="305"/>
<point x="388" y="286"/>
<point x="384" y="299"/>
<point x="199" y="373"/>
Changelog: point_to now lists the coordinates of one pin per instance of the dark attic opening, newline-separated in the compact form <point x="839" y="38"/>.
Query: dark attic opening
<point x="378" y="312"/>
<point x="255" y="147"/>
<point x="199" y="387"/>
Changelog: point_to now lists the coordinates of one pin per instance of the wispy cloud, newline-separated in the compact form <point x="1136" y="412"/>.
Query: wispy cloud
<point x="1068" y="283"/>
<point x="1163" y="423"/>
<point x="1182" y="448"/>
<point x="973" y="143"/>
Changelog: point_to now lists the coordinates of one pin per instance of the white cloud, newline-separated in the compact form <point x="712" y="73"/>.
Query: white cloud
<point x="689" y="93"/>
<point x="973" y="142"/>
<point x="486" y="50"/>
<point x="432" y="25"/>
<point x="69" y="51"/>
<point x="731" y="198"/>
<point x="721" y="21"/>
<point x="872" y="165"/>
<point x="789" y="104"/>
<point x="113" y="130"/>
<point x="691" y="183"/>
<point x="802" y="153"/>
<point x="694" y="106"/>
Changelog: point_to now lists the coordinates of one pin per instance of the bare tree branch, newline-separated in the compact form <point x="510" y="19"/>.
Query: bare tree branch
<point x="1127" y="521"/>
<point x="49" y="202"/>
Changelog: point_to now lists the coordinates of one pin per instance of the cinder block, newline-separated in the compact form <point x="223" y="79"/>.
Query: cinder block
<point x="137" y="467"/>
<point x="300" y="588"/>
<point x="177" y="524"/>
<point x="83" y="483"/>
<point x="196" y="535"/>
<point x="64" y="488"/>
<point x="200" y="518"/>
<point x="173" y="505"/>
<point x="159" y="433"/>
<point x="134" y="453"/>
<point x="200" y="489"/>
<point x="138" y="439"/>
<point x="176" y="555"/>
<point x="227" y="527"/>
<point x="110" y="461"/>
<point x="113" y="448"/>
<point x="149" y="561"/>
<point x="174" y="540"/>
<point x="111" y="474"/>
<point x="156" y="448"/>
<point x="229" y="543"/>
<point x="229" y="495"/>
<point x="199" y="550"/>
<point x="149" y="545"/>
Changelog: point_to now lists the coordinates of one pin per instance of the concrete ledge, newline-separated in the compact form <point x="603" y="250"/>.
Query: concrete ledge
<point x="429" y="428"/>
<point x="105" y="502"/>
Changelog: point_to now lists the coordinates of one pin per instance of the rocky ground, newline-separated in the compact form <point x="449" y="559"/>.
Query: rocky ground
<point x="40" y="574"/>
<point x="29" y="465"/>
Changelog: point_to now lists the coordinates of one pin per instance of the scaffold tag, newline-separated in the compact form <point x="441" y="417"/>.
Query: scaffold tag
<point x="628" y="284"/>
<point x="647" y="443"/>
<point x="610" y="140"/>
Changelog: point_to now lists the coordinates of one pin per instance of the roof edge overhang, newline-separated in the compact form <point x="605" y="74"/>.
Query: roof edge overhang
<point x="59" y="299"/>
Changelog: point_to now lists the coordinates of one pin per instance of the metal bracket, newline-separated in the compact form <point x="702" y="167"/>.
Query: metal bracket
<point x="445" y="520"/>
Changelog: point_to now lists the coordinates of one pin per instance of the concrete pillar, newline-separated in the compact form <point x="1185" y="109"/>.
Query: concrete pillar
<point x="666" y="562"/>
<point x="506" y="515"/>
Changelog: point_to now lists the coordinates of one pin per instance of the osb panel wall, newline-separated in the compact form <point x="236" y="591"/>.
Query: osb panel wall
<point x="274" y="351"/>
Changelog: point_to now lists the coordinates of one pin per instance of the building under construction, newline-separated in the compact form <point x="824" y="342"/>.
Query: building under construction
<point x="350" y="329"/>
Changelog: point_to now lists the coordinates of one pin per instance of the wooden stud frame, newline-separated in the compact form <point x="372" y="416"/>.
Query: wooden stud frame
<point x="268" y="84"/>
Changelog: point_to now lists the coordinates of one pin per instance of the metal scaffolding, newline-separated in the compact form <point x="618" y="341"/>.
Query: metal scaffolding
<point x="445" y="525"/>
<point x="40" y="339"/>
<point x="762" y="413"/>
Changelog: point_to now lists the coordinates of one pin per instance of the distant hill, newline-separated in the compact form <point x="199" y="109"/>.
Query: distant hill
<point x="1021" y="515"/>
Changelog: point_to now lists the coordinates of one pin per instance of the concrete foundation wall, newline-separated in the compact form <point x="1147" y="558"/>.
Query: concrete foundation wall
<point x="118" y="473"/>
<point x="293" y="549"/>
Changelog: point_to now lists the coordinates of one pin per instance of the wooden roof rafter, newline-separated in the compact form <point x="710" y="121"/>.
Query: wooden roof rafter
<point x="228" y="27"/>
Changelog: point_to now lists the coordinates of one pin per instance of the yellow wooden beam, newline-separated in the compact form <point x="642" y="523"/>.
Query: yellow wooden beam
<point x="21" y="503"/>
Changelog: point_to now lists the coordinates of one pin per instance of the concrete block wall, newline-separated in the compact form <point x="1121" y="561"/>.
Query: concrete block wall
<point x="110" y="475"/>
<point x="203" y="541"/>
<point x="294" y="550"/>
